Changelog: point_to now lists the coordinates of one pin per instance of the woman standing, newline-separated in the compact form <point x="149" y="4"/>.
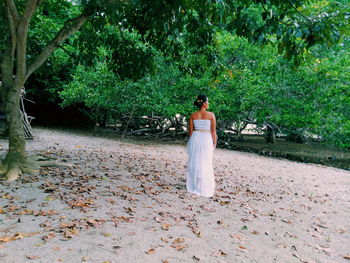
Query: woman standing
<point x="202" y="132"/>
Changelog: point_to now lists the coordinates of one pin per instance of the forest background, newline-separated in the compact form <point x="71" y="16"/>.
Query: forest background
<point x="282" y="66"/>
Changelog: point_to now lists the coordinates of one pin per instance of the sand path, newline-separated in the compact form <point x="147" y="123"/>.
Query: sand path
<point x="127" y="202"/>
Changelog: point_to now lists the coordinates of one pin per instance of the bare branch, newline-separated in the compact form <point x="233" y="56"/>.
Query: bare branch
<point x="68" y="29"/>
<point x="7" y="59"/>
<point x="22" y="33"/>
<point x="300" y="13"/>
<point x="13" y="10"/>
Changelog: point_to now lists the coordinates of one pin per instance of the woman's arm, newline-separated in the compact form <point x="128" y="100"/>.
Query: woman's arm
<point x="190" y="126"/>
<point x="213" y="130"/>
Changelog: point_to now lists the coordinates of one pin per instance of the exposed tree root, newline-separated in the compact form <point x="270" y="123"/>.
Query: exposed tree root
<point x="3" y="169"/>
<point x="13" y="173"/>
<point x="32" y="166"/>
<point x="54" y="163"/>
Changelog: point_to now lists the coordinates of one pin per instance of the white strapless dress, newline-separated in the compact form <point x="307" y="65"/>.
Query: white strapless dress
<point x="200" y="174"/>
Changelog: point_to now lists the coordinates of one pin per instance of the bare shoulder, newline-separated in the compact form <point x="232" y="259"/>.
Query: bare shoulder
<point x="211" y="115"/>
<point x="194" y="115"/>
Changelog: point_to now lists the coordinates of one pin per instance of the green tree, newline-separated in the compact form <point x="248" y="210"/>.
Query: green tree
<point x="158" y="22"/>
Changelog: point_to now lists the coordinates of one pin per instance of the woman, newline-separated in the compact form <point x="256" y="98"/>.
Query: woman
<point x="202" y="132"/>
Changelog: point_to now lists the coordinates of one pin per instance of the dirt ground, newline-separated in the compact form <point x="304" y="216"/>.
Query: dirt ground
<point x="125" y="201"/>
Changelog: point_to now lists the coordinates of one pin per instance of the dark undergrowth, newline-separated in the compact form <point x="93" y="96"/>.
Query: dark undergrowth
<point x="310" y="152"/>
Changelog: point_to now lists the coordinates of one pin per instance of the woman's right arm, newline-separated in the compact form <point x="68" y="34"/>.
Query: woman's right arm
<point x="190" y="126"/>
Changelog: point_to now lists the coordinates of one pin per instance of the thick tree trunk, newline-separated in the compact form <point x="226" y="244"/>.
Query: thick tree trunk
<point x="16" y="157"/>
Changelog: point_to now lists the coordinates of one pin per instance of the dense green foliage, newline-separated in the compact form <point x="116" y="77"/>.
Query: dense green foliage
<point x="258" y="61"/>
<point x="246" y="84"/>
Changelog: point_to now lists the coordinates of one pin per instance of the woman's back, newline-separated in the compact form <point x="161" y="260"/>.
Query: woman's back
<point x="202" y="124"/>
<point x="202" y="115"/>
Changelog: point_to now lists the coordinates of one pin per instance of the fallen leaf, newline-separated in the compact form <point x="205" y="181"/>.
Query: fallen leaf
<point x="110" y="200"/>
<point x="49" y="236"/>
<point x="178" y="244"/>
<point x="219" y="253"/>
<point x="196" y="258"/>
<point x="56" y="248"/>
<point x="150" y="251"/>
<point x="165" y="226"/>
<point x="164" y="240"/>
<point x="17" y="236"/>
<point x="69" y="233"/>
<point x="32" y="257"/>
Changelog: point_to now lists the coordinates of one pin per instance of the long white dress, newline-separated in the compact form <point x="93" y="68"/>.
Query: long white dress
<point x="200" y="174"/>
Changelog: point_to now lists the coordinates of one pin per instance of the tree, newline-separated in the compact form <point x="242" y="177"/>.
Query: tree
<point x="14" y="61"/>
<point x="155" y="21"/>
<point x="17" y="65"/>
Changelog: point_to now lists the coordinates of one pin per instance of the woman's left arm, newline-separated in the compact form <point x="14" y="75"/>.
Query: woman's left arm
<point x="213" y="130"/>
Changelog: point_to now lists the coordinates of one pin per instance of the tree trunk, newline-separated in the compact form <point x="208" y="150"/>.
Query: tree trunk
<point x="14" y="62"/>
<point x="270" y="135"/>
<point x="16" y="157"/>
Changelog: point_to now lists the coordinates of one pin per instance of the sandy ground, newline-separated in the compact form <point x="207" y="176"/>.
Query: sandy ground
<point x="127" y="202"/>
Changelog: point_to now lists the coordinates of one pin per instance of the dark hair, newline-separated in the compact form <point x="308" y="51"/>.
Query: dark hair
<point x="200" y="100"/>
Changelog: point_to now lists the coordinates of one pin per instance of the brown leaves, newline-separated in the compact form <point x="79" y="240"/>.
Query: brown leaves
<point x="194" y="227"/>
<point x="81" y="203"/>
<point x="164" y="240"/>
<point x="69" y="233"/>
<point x="111" y="201"/>
<point x="12" y="208"/>
<point x="150" y="251"/>
<point x="129" y="210"/>
<point x="45" y="213"/>
<point x="7" y="196"/>
<point x="166" y="226"/>
<point x="178" y="244"/>
<point x="71" y="229"/>
<point x="48" y="237"/>
<point x="17" y="236"/>
<point x="47" y="225"/>
<point x="118" y="219"/>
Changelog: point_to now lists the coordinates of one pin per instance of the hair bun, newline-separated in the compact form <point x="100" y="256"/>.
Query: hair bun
<point x="200" y="100"/>
<point x="197" y="103"/>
